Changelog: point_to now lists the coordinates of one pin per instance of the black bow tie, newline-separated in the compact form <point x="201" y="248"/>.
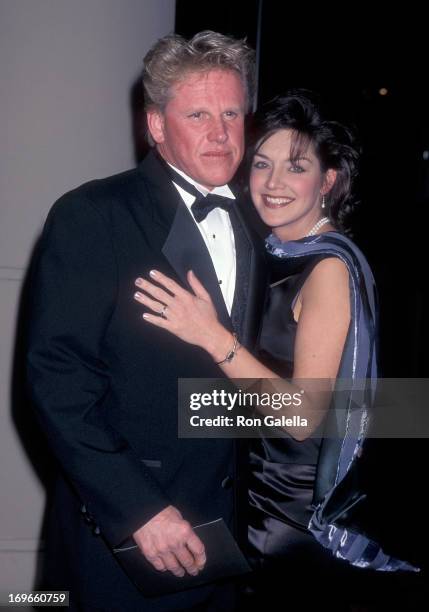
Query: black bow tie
<point x="205" y="204"/>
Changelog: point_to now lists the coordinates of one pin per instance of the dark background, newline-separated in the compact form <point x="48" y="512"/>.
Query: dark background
<point x="348" y="58"/>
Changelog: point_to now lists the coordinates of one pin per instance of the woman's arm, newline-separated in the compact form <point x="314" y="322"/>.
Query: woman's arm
<point x="323" y="320"/>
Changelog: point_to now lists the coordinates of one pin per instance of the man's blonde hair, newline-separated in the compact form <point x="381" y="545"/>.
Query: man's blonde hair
<point x="173" y="57"/>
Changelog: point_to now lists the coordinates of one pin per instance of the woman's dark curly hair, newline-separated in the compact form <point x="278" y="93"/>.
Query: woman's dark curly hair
<point x="333" y="143"/>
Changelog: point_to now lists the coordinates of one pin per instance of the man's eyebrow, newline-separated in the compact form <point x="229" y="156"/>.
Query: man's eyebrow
<point x="203" y="109"/>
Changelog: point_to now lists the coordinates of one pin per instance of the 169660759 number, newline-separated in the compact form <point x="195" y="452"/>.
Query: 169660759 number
<point x="41" y="598"/>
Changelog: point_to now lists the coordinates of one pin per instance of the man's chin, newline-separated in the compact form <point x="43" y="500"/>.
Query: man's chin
<point x="212" y="180"/>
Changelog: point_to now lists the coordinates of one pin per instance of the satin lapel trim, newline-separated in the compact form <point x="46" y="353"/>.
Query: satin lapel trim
<point x="185" y="250"/>
<point x="258" y="283"/>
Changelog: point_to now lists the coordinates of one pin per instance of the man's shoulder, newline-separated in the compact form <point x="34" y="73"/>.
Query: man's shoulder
<point x="105" y="196"/>
<point x="105" y="190"/>
<point x="114" y="190"/>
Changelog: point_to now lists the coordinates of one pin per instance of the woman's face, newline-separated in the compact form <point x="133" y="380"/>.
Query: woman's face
<point x="286" y="194"/>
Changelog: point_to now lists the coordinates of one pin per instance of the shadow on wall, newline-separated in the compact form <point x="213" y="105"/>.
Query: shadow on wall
<point x="139" y="126"/>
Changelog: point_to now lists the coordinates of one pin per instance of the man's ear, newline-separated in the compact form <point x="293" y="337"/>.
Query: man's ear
<point x="155" y="124"/>
<point x="329" y="180"/>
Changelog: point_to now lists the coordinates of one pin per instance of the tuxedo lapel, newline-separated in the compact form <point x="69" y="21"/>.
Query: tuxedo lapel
<point x="185" y="250"/>
<point x="252" y="280"/>
<point x="174" y="232"/>
<point x="243" y="250"/>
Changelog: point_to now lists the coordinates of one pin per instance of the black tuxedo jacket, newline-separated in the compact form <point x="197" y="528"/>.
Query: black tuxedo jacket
<point x="104" y="382"/>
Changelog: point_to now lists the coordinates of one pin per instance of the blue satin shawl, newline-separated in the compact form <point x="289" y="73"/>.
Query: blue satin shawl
<point x="358" y="370"/>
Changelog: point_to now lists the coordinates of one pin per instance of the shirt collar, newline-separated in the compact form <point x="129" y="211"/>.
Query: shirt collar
<point x="222" y="190"/>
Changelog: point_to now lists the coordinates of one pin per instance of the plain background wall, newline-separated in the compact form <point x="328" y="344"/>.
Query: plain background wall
<point x="66" y="73"/>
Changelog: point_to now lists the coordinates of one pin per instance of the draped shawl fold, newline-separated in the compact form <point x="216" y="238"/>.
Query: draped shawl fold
<point x="338" y="489"/>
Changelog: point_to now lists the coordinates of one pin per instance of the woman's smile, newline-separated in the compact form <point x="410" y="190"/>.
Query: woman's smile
<point x="274" y="202"/>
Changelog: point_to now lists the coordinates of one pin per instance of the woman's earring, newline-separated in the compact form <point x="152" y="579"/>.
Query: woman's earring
<point x="323" y="205"/>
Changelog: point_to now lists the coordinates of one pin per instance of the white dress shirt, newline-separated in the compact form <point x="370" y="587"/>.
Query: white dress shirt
<point x="218" y="236"/>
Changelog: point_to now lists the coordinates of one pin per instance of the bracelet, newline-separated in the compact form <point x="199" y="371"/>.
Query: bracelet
<point x="232" y="353"/>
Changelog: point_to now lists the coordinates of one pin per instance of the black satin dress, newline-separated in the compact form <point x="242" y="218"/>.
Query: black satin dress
<point x="293" y="571"/>
<point x="282" y="469"/>
<point x="290" y="563"/>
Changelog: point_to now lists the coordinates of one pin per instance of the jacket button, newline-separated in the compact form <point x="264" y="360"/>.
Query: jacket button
<point x="227" y="482"/>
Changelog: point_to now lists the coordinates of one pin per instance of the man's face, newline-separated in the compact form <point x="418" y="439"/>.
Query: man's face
<point x="201" y="130"/>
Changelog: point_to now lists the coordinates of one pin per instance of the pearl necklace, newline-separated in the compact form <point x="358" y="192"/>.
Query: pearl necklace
<point x="318" y="225"/>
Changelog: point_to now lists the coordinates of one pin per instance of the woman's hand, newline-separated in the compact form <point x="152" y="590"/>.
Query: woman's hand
<point x="190" y="317"/>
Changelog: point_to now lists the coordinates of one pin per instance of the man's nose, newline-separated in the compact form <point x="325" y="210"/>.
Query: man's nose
<point x="218" y="131"/>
